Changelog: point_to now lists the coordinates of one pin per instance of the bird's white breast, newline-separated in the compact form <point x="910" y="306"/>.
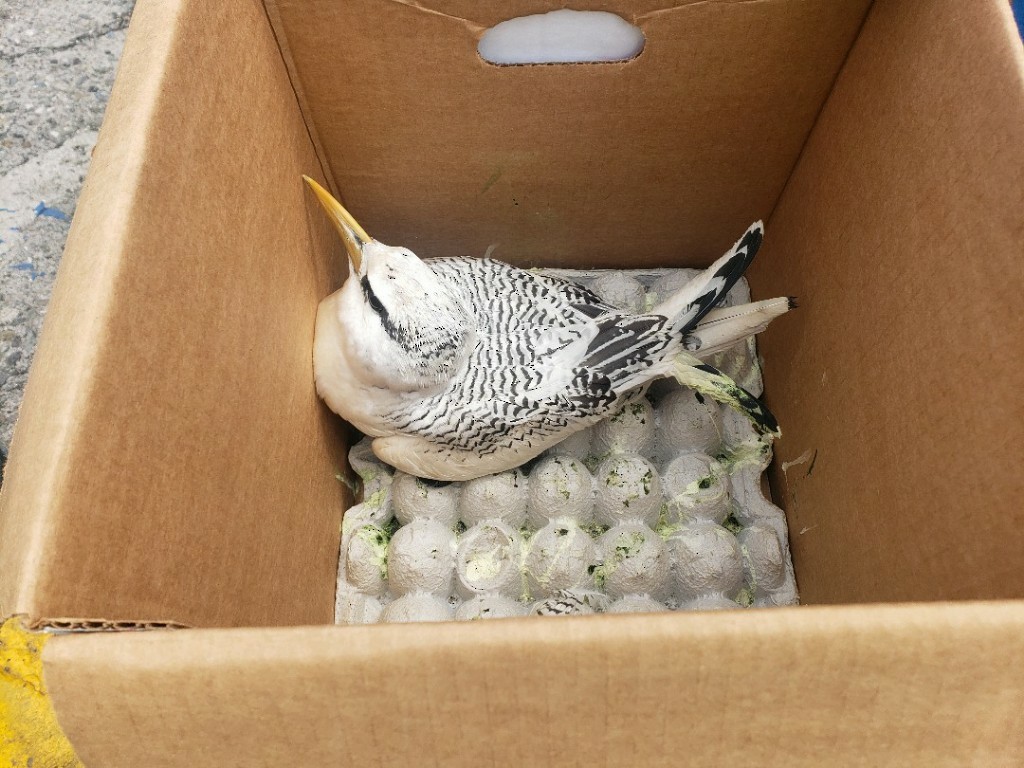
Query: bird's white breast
<point x="338" y="377"/>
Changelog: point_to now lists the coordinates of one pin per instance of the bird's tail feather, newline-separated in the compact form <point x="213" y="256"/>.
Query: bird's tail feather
<point x="689" y="304"/>
<point x="708" y="380"/>
<point x="723" y="327"/>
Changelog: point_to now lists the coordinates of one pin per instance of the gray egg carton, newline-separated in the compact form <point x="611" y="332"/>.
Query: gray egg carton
<point x="658" y="507"/>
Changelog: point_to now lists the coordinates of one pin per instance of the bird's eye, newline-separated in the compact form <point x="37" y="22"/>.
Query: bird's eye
<point x="375" y="304"/>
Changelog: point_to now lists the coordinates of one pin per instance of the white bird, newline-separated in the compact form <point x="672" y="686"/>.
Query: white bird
<point x="462" y="367"/>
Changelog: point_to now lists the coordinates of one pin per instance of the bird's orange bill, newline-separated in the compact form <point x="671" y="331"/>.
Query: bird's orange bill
<point x="353" y="235"/>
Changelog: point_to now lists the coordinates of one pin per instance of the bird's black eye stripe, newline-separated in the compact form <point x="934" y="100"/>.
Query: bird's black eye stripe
<point x="371" y="297"/>
<point x="392" y="330"/>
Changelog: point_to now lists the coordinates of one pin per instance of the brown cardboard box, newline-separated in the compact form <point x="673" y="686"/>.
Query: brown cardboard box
<point x="173" y="463"/>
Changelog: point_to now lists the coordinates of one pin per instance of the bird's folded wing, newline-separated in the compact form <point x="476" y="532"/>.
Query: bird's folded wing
<point x="625" y="341"/>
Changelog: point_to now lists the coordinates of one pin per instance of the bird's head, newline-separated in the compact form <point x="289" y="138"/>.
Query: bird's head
<point x="405" y="327"/>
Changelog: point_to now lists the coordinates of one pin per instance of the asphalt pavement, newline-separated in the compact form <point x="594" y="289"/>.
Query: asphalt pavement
<point x="57" y="64"/>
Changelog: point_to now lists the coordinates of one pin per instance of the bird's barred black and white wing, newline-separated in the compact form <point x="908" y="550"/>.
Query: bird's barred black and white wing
<point x="548" y="356"/>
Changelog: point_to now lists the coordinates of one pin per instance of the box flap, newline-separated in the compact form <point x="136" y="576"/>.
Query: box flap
<point x="899" y="383"/>
<point x="172" y="461"/>
<point x="663" y="159"/>
<point x="909" y="685"/>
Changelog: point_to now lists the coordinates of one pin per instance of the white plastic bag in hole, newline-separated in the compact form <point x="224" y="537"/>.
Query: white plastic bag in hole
<point x="561" y="37"/>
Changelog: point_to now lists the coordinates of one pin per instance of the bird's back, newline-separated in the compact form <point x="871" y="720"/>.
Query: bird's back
<point x="548" y="357"/>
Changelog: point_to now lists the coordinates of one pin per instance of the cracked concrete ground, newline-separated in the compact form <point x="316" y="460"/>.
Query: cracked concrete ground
<point x="57" y="64"/>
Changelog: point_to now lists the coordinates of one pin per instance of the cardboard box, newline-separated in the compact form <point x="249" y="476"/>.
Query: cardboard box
<point x="172" y="462"/>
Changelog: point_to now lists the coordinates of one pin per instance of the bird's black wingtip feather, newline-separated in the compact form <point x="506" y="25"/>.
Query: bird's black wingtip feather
<point x="765" y="422"/>
<point x="793" y="303"/>
<point x="753" y="236"/>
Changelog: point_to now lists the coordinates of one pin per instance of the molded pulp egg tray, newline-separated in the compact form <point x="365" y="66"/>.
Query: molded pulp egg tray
<point x="658" y="507"/>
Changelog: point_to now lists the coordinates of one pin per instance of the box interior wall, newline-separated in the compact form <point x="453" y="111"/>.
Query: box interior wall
<point x="172" y="460"/>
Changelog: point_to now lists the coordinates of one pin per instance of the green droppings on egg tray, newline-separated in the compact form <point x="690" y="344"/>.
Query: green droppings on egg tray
<point x="377" y="539"/>
<point x="749" y="572"/>
<point x="647" y="480"/>
<point x="524" y="582"/>
<point x="594" y="460"/>
<point x="376" y="498"/>
<point x="692" y="489"/>
<point x="752" y="452"/>
<point x="636" y="541"/>
<point x="373" y="535"/>
<point x="663" y="527"/>
<point x="487" y="564"/>
<point x="732" y="524"/>
<point x="627" y="545"/>
<point x="354" y="486"/>
<point x="562" y="481"/>
<point x="666" y="530"/>
<point x="599" y="575"/>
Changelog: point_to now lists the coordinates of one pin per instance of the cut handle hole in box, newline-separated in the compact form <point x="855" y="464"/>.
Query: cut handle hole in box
<point x="562" y="37"/>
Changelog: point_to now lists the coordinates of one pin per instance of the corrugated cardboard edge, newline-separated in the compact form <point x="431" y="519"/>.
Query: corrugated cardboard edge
<point x="79" y="625"/>
<point x="29" y="732"/>
<point x="62" y="372"/>
<point x="929" y="685"/>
